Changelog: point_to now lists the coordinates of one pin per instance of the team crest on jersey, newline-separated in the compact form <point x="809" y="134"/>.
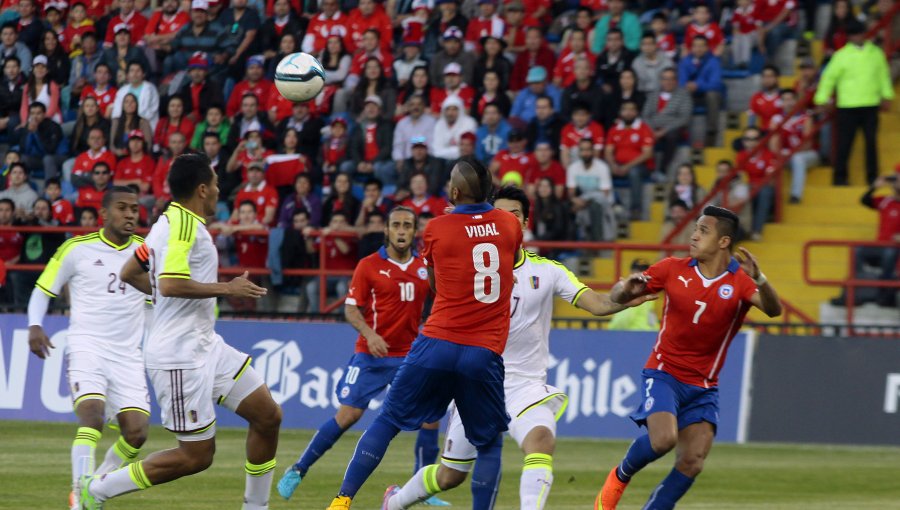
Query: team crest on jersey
<point x="193" y="416"/>
<point x="635" y="137"/>
<point x="726" y="291"/>
<point x="535" y="282"/>
<point x="345" y="391"/>
<point x="423" y="274"/>
<point x="648" y="404"/>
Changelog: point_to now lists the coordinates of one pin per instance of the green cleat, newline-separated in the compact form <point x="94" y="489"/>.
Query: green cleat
<point x="87" y="499"/>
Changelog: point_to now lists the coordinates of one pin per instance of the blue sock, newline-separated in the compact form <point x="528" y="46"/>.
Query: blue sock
<point x="639" y="454"/>
<point x="669" y="491"/>
<point x="368" y="454"/>
<point x="324" y="439"/>
<point x="426" y="448"/>
<point x="486" y="475"/>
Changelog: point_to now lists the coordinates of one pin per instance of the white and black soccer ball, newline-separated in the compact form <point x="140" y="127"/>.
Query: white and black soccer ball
<point x="299" y="77"/>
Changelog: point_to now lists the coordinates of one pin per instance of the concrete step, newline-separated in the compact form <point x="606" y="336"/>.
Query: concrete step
<point x="812" y="213"/>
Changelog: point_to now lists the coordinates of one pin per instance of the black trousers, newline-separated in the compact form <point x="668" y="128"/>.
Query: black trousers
<point x="848" y="121"/>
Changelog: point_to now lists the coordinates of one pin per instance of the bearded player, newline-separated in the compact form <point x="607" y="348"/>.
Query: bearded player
<point x="385" y="303"/>
<point x="470" y="255"/>
<point x="707" y="297"/>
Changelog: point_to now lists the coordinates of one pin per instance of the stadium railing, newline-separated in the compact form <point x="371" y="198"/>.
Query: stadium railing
<point x="851" y="282"/>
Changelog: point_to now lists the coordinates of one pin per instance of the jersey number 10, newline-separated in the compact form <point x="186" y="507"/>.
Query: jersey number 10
<point x="486" y="275"/>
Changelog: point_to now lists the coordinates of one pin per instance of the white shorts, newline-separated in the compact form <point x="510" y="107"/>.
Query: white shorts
<point x="530" y="403"/>
<point x="187" y="397"/>
<point x="121" y="384"/>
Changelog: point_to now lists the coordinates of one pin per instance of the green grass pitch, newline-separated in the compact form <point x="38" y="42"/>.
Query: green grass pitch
<point x="34" y="474"/>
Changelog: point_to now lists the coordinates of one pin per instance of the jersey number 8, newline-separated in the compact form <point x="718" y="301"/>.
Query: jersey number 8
<point x="486" y="275"/>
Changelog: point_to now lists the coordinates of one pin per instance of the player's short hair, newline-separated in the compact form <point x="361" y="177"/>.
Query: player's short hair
<point x="484" y="177"/>
<point x="247" y="202"/>
<point x="111" y="193"/>
<point x="404" y="209"/>
<point x="187" y="173"/>
<point x="515" y="194"/>
<point x="727" y="223"/>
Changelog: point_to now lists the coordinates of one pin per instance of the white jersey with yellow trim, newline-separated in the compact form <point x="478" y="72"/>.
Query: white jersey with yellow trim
<point x="182" y="333"/>
<point x="106" y="315"/>
<point x="538" y="281"/>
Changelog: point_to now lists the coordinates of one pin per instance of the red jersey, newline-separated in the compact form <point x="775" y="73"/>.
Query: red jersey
<point x="105" y="99"/>
<point x="260" y="89"/>
<point x="565" y="65"/>
<point x="245" y="158"/>
<point x="361" y="57"/>
<point x="391" y="297"/>
<point x="767" y="10"/>
<point x="465" y="93"/>
<point x="263" y="197"/>
<point x="483" y="27"/>
<point x="758" y="167"/>
<point x="357" y="24"/>
<point x="711" y="31"/>
<point x="334" y="258"/>
<point x="666" y="44"/>
<point x="472" y="252"/>
<point x="71" y="32"/>
<point x="282" y="169"/>
<point x="10" y="245"/>
<point x="252" y="249"/>
<point x="142" y="169"/>
<point x="554" y="171"/>
<point x="571" y="135"/>
<point x="160" y="186"/>
<point x="63" y="212"/>
<point x="701" y="317"/>
<point x="889" y="217"/>
<point x="744" y="20"/>
<point x="281" y="106"/>
<point x="523" y="163"/>
<point x="164" y="128"/>
<point x="320" y="27"/>
<point x="791" y="132"/>
<point x="96" y="9"/>
<point x="430" y="204"/>
<point x="135" y="21"/>
<point x="630" y="141"/>
<point x="84" y="162"/>
<point x="90" y="197"/>
<point x="765" y="105"/>
<point x="160" y="24"/>
<point x="594" y="5"/>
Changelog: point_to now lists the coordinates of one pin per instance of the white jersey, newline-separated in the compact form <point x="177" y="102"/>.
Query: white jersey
<point x="181" y="334"/>
<point x="106" y="316"/>
<point x="538" y="280"/>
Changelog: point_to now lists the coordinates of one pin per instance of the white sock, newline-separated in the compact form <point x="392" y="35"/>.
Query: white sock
<point x="117" y="455"/>
<point x="83" y="453"/>
<point x="420" y="487"/>
<point x="121" y="481"/>
<point x="258" y="485"/>
<point x="537" y="478"/>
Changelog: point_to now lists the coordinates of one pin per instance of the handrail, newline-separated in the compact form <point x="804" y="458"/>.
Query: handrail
<point x="850" y="282"/>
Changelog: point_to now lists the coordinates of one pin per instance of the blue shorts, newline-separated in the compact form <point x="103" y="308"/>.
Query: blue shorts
<point x="365" y="378"/>
<point x="436" y="372"/>
<point x="665" y="394"/>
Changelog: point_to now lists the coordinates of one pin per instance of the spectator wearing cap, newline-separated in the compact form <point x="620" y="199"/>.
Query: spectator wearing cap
<point x="79" y="174"/>
<point x="777" y="23"/>
<point x="564" y="71"/>
<point x="452" y="123"/>
<point x="514" y="162"/>
<point x="491" y="135"/>
<point x="523" y="109"/>
<point x="580" y="127"/>
<point x="448" y="16"/>
<point x="701" y="74"/>
<point x="38" y="138"/>
<point x="546" y="124"/>
<point x="251" y="117"/>
<point x="546" y="167"/>
<point x="242" y="25"/>
<point x="145" y="92"/>
<point x="253" y="83"/>
<point x="29" y="25"/>
<point x="416" y="123"/>
<point x="612" y="62"/>
<point x="629" y="153"/>
<point x="369" y="47"/>
<point x="514" y="28"/>
<point x="130" y="18"/>
<point x="79" y="24"/>
<point x="649" y="65"/>
<point x="589" y="184"/>
<point x="860" y="76"/>
<point x="122" y="53"/>
<point x="668" y="113"/>
<point x="618" y="18"/>
<point x="308" y="128"/>
<point x="11" y="87"/>
<point x="420" y="162"/>
<point x="492" y="59"/>
<point x="373" y="83"/>
<point x="466" y="147"/>
<point x="10" y="46"/>
<point x="84" y="65"/>
<point x="283" y="21"/>
<point x="330" y="21"/>
<point x="452" y="52"/>
<point x="487" y="24"/>
<point x="370" y="146"/>
<point x="582" y="90"/>
<point x="201" y="92"/>
<point x="536" y="55"/>
<point x="256" y="191"/>
<point x="455" y="87"/>
<point x="368" y="16"/>
<point x="197" y="36"/>
<point x="136" y="168"/>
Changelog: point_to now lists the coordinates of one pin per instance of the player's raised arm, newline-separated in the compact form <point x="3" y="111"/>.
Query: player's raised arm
<point x="628" y="289"/>
<point x="766" y="299"/>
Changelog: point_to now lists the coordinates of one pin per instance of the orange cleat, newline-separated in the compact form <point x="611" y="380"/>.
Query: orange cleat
<point x="610" y="493"/>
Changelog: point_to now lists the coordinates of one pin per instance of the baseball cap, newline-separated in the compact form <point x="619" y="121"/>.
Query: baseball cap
<point x="536" y="74"/>
<point x="374" y="100"/>
<point x="452" y="68"/>
<point x="135" y="133"/>
<point x="452" y="101"/>
<point x="468" y="135"/>
<point x="256" y="60"/>
<point x="121" y="27"/>
<point x="418" y="140"/>
<point x="253" y="126"/>
<point x="40" y="59"/>
<point x="200" y="5"/>
<point x="453" y="33"/>
<point x="256" y="165"/>
<point x="515" y="5"/>
<point x="199" y="60"/>
<point x="515" y="135"/>
<point x="53" y="5"/>
<point x="339" y="120"/>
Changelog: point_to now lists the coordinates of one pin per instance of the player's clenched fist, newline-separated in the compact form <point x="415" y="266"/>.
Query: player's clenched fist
<point x="242" y="287"/>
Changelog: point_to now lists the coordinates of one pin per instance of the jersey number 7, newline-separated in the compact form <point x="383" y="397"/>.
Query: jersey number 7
<point x="486" y="259"/>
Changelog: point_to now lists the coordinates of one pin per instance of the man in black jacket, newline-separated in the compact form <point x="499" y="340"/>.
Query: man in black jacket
<point x="309" y="130"/>
<point x="10" y="96"/>
<point x="38" y="138"/>
<point x="582" y="90"/>
<point x="614" y="59"/>
<point x="241" y="122"/>
<point x="370" y="144"/>
<point x="284" y="21"/>
<point x="546" y="124"/>
<point x="201" y="91"/>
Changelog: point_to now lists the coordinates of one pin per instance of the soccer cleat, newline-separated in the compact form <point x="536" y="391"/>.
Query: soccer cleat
<point x="611" y="492"/>
<point x="388" y="494"/>
<point x="73" y="501"/>
<point x="340" y="503"/>
<point x="87" y="499"/>
<point x="435" y="501"/>
<point x="289" y="482"/>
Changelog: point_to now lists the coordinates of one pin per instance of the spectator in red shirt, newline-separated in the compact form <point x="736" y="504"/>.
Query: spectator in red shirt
<point x="581" y="127"/>
<point x="758" y="167"/>
<point x="370" y="47"/>
<point x="10" y="240"/>
<point x="250" y="149"/>
<point x="128" y="16"/>
<point x="162" y="27"/>
<point x="328" y="22"/>
<point x="665" y="40"/>
<point x="778" y="23"/>
<point x="702" y="25"/>
<point x="487" y="24"/>
<point x="340" y="254"/>
<point x="514" y="27"/>
<point x="78" y="25"/>
<point x="515" y="159"/>
<point x="793" y="139"/>
<point x="536" y="54"/>
<point x="284" y="21"/>
<point x="254" y="83"/>
<point x="368" y="16"/>
<point x="420" y="200"/>
<point x="264" y="196"/>
<point x="174" y="121"/>
<point x="177" y="146"/>
<point x="102" y="89"/>
<point x="888" y="208"/>
<point x="629" y="153"/>
<point x="453" y="86"/>
<point x="370" y="145"/>
<point x="767" y="102"/>
<point x="743" y="33"/>
<point x="564" y="72"/>
<point x="92" y="196"/>
<point x="251" y="249"/>
<point x="283" y="168"/>
<point x="61" y="208"/>
<point x="546" y="167"/>
<point x="80" y="175"/>
<point x="135" y="169"/>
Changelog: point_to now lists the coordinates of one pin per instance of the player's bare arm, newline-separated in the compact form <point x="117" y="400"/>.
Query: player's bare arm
<point x="377" y="346"/>
<point x="190" y="289"/>
<point x="38" y="342"/>
<point x="766" y="299"/>
<point x="601" y="303"/>
<point x="628" y="289"/>
<point x="136" y="275"/>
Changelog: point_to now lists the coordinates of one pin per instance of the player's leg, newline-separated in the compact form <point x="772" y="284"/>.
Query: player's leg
<point x="694" y="443"/>
<point x="538" y="446"/>
<point x="426" y="452"/>
<point x="133" y="428"/>
<point x="89" y="386"/>
<point x="129" y="398"/>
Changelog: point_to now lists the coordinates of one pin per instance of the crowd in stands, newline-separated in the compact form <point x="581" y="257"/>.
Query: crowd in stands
<point x="580" y="103"/>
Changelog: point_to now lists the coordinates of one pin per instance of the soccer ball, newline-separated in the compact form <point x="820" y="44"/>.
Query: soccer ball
<point x="299" y="77"/>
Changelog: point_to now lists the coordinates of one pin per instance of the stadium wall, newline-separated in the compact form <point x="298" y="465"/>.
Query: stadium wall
<point x="302" y="363"/>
